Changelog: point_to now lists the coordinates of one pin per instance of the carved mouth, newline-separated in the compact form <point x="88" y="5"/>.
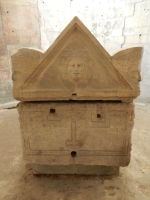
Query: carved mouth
<point x="76" y="74"/>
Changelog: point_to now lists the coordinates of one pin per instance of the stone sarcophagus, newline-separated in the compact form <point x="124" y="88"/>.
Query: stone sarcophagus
<point x="76" y="114"/>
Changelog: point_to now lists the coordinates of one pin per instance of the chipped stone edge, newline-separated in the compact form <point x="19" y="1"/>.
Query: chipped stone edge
<point x="10" y="105"/>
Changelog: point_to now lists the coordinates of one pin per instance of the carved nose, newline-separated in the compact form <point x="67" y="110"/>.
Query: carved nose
<point x="76" y="67"/>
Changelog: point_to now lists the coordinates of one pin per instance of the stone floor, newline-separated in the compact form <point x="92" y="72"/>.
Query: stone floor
<point x="18" y="183"/>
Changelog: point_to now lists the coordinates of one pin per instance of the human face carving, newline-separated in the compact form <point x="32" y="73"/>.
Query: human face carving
<point x="75" y="69"/>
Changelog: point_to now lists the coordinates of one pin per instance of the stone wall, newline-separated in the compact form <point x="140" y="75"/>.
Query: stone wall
<point x="19" y="27"/>
<point x="115" y="23"/>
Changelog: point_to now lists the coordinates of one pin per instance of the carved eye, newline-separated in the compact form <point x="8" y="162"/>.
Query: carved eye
<point x="52" y="110"/>
<point x="73" y="65"/>
<point x="78" y="65"/>
<point x="98" y="116"/>
<point x="73" y="153"/>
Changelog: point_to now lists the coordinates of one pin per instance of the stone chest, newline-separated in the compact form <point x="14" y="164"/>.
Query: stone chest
<point x="76" y="112"/>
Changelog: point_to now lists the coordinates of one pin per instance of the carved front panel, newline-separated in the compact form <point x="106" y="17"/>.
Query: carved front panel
<point x="89" y="129"/>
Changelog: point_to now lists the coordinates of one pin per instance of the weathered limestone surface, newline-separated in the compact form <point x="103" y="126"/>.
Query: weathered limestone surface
<point x="76" y="133"/>
<point x="76" y="67"/>
<point x="76" y="136"/>
<point x="75" y="169"/>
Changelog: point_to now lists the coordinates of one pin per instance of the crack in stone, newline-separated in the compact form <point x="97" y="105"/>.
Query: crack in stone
<point x="123" y="33"/>
<point x="134" y="7"/>
<point x="125" y="20"/>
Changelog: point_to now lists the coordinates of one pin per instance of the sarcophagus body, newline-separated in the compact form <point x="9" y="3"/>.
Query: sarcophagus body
<point x="76" y="114"/>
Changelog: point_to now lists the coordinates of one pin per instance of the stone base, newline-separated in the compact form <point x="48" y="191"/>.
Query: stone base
<point x="75" y="169"/>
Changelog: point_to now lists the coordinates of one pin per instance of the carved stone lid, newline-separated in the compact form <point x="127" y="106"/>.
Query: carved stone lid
<point x="76" y="67"/>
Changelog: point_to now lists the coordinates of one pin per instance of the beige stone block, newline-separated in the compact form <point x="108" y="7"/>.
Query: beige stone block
<point x="27" y="2"/>
<point x="143" y="38"/>
<point x="142" y="8"/>
<point x="132" y="1"/>
<point x="129" y="9"/>
<point x="117" y="32"/>
<point x="28" y="12"/>
<point x="10" y="22"/>
<point x="132" y="39"/>
<point x="116" y="23"/>
<point x="112" y="47"/>
<point x="2" y="39"/>
<point x="148" y="38"/>
<point x="26" y="24"/>
<point x="14" y="2"/>
<point x="129" y="22"/>
<point x="130" y="45"/>
<point x="30" y="37"/>
<point x="108" y="39"/>
<point x="143" y="30"/>
<point x="99" y="28"/>
<point x="129" y="31"/>
<point x="12" y="36"/>
<point x="119" y="39"/>
<point x="136" y="21"/>
<point x="148" y="23"/>
<point x="4" y="75"/>
<point x="8" y="9"/>
<point x="1" y="26"/>
<point x="76" y="133"/>
<point x="3" y="62"/>
<point x="3" y="47"/>
<point x="141" y="21"/>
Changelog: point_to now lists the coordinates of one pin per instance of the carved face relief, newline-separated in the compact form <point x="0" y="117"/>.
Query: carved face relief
<point x="76" y="69"/>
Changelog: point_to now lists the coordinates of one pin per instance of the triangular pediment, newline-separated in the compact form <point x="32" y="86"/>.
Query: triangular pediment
<point x="76" y="66"/>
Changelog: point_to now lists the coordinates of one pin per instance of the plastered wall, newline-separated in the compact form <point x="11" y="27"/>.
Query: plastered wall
<point x="115" y="23"/>
<point x="19" y="27"/>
